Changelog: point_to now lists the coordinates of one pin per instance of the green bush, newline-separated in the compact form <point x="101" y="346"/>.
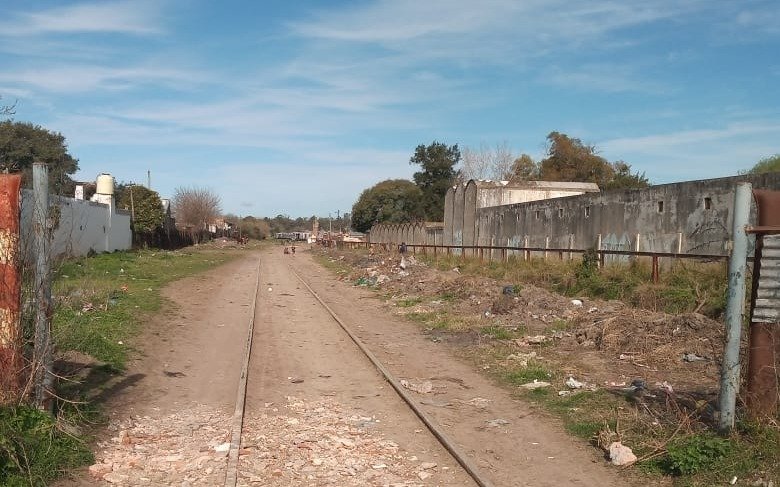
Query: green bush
<point x="693" y="454"/>
<point x="33" y="450"/>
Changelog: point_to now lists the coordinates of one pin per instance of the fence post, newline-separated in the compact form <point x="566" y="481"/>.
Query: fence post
<point x="10" y="289"/>
<point x="598" y="251"/>
<point x="735" y="306"/>
<point x="546" y="246"/>
<point x="42" y="351"/>
<point x="571" y="244"/>
<point x="527" y="252"/>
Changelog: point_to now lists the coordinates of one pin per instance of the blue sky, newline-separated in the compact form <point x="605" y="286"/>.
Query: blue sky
<point x="295" y="107"/>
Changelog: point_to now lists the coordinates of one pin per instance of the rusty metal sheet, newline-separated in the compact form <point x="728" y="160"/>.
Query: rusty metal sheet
<point x="766" y="308"/>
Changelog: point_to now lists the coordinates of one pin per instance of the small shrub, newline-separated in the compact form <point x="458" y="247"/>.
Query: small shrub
<point x="693" y="454"/>
<point x="33" y="450"/>
<point x="497" y="332"/>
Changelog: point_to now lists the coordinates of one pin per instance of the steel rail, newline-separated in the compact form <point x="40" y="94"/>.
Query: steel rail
<point x="440" y="435"/>
<point x="231" y="473"/>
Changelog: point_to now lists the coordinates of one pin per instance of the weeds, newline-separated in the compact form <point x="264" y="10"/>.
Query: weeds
<point x="33" y="450"/>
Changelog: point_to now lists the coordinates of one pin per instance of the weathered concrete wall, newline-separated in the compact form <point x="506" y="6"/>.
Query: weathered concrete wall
<point x="690" y="217"/>
<point x="500" y="193"/>
<point x="449" y="215"/>
<point x="457" y="220"/>
<point x="81" y="226"/>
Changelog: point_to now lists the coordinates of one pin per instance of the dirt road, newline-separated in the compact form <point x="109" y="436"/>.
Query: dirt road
<point x="317" y="412"/>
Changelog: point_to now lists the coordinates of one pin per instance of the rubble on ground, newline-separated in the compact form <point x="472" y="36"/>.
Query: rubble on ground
<point x="294" y="444"/>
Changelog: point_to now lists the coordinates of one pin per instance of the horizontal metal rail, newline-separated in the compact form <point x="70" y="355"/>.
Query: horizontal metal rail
<point x="479" y="251"/>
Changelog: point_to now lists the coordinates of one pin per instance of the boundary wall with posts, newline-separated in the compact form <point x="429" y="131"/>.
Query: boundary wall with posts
<point x="78" y="227"/>
<point x="692" y="217"/>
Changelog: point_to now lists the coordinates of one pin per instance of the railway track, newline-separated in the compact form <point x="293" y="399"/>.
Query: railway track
<point x="232" y="472"/>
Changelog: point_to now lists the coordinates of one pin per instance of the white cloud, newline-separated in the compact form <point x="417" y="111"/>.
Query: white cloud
<point x="89" y="78"/>
<point x="136" y="17"/>
<point x="604" y="77"/>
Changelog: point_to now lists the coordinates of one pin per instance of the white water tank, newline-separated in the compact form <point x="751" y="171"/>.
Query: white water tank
<point x="105" y="184"/>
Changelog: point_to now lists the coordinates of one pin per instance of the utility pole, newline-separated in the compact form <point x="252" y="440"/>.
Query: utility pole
<point x="40" y="222"/>
<point x="148" y="179"/>
<point x="735" y="308"/>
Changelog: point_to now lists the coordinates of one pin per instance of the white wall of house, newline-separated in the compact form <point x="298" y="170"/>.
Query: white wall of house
<point x="80" y="226"/>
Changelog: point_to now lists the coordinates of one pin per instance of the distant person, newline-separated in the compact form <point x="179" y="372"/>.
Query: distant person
<point x="402" y="248"/>
<point x="286" y="250"/>
<point x="293" y="249"/>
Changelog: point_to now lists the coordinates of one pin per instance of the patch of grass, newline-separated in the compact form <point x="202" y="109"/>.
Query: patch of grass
<point x="408" y="302"/>
<point x="447" y="297"/>
<point x="33" y="450"/>
<point x="422" y="317"/>
<point x="518" y="376"/>
<point x="559" y="325"/>
<point x="100" y="300"/>
<point x="584" y="429"/>
<point x="685" y="287"/>
<point x="497" y="332"/>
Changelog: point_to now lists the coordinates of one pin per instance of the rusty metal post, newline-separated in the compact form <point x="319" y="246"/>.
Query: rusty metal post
<point x="735" y="307"/>
<point x="10" y="289"/>
<point x="42" y="359"/>
<point x="655" y="269"/>
<point x="764" y="344"/>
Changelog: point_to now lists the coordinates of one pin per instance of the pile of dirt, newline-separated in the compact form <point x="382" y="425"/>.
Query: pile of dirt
<point x="606" y="342"/>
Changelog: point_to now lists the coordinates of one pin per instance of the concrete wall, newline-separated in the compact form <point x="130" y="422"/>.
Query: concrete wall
<point x="689" y="217"/>
<point x="79" y="227"/>
<point x="449" y="215"/>
<point x="457" y="220"/>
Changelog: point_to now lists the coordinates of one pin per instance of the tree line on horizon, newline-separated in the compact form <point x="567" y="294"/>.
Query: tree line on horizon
<point x="567" y="159"/>
<point x="392" y="201"/>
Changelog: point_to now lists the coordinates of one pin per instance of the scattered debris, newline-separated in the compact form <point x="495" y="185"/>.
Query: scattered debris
<point x="422" y="387"/>
<point x="576" y="302"/>
<point x="495" y="423"/>
<point x="573" y="383"/>
<point x="478" y="402"/>
<point x="536" y="384"/>
<point x="692" y="357"/>
<point x="620" y="454"/>
<point x="522" y="359"/>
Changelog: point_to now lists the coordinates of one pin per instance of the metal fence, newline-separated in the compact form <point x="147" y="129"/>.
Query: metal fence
<point x="501" y="253"/>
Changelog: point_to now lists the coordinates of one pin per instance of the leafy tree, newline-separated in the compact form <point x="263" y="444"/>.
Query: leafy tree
<point x="145" y="205"/>
<point x="250" y="226"/>
<point x="391" y="201"/>
<point x="438" y="173"/>
<point x="22" y="144"/>
<point x="569" y="159"/>
<point x="623" y="178"/>
<point x="194" y="208"/>
<point x="524" y="168"/>
<point x="767" y="164"/>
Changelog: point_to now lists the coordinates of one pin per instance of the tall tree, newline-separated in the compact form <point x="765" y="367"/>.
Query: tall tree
<point x="524" y="168"/>
<point x="767" y="164"/>
<point x="391" y="201"/>
<point x="194" y="208"/>
<point x="22" y="144"/>
<point x="438" y="162"/>
<point x="487" y="162"/>
<point x="569" y="159"/>
<point x="145" y="205"/>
